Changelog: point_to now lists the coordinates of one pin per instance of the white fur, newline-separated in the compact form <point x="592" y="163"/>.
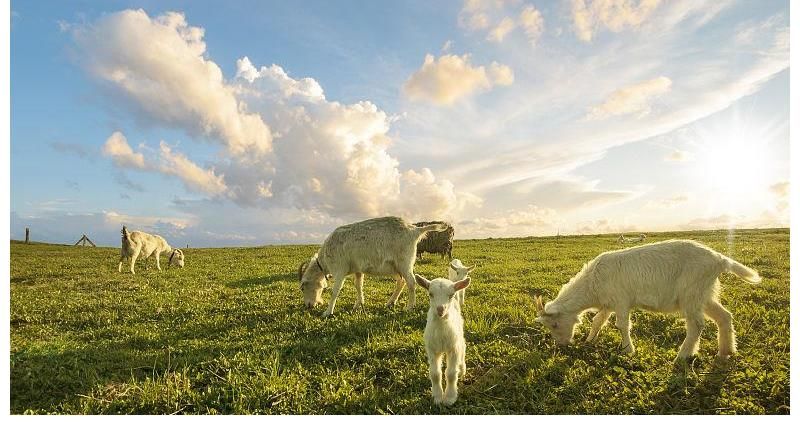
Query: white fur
<point x="634" y="239"/>
<point x="456" y="272"/>
<point x="380" y="246"/>
<point x="672" y="276"/>
<point x="137" y="244"/>
<point x="444" y="336"/>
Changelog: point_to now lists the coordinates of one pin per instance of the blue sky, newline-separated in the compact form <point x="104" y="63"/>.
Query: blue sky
<point x="274" y="122"/>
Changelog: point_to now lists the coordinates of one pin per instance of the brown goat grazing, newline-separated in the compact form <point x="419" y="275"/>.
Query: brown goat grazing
<point x="436" y="242"/>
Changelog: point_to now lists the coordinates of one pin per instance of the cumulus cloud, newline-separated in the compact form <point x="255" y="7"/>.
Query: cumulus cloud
<point x="452" y="77"/>
<point x="168" y="162"/>
<point x="121" y="154"/>
<point x="531" y="21"/>
<point x="781" y="193"/>
<point x="503" y="28"/>
<point x="285" y="145"/>
<point x="636" y="98"/>
<point x="159" y="65"/>
<point x="615" y="15"/>
<point x="529" y="221"/>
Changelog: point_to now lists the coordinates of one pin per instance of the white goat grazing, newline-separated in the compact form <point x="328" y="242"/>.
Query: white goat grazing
<point x="634" y="239"/>
<point x="672" y="276"/>
<point x="444" y="335"/>
<point x="380" y="246"/>
<point x="137" y="244"/>
<point x="456" y="272"/>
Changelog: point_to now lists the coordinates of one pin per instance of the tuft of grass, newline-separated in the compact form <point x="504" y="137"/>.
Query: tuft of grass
<point x="227" y="334"/>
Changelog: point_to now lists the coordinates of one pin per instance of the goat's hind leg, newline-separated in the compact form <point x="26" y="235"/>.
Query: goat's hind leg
<point x="694" y="327"/>
<point x="399" y="284"/>
<point x="726" y="336"/>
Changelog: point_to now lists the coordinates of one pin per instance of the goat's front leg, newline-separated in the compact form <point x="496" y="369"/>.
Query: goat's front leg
<point x="398" y="288"/>
<point x="337" y="286"/>
<point x="359" y="282"/>
<point x="121" y="260"/>
<point x="451" y="390"/>
<point x="435" y="374"/>
<point x="598" y="322"/>
<point x="623" y="323"/>
<point x="158" y="261"/>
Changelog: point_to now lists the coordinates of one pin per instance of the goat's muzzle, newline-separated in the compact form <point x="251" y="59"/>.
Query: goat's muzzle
<point x="441" y="311"/>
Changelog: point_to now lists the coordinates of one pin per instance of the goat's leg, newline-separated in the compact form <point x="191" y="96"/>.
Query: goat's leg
<point x="623" y="323"/>
<point x="412" y="290"/>
<point x="337" y="286"/>
<point x="158" y="261"/>
<point x="726" y="336"/>
<point x="435" y="374"/>
<point x="121" y="260"/>
<point x="451" y="390"/>
<point x="133" y="259"/>
<point x="598" y="322"/>
<point x="694" y="327"/>
<point x="398" y="288"/>
<point x="359" y="282"/>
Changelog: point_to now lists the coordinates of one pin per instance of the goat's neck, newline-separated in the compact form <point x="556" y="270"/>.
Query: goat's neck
<point x="574" y="300"/>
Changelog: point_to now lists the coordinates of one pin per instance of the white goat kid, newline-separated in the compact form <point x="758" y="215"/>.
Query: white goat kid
<point x="456" y="272"/>
<point x="672" y="276"/>
<point x="137" y="244"/>
<point x="444" y="336"/>
<point x="380" y="246"/>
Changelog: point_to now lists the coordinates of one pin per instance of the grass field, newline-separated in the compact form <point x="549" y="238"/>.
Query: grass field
<point x="227" y="335"/>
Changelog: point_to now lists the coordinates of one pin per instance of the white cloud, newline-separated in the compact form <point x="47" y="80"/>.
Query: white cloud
<point x="615" y="15"/>
<point x="168" y="163"/>
<point x="159" y="65"/>
<point x="530" y="19"/>
<point x="667" y="203"/>
<point x="635" y="98"/>
<point x="121" y="154"/>
<point x="452" y="77"/>
<point x="503" y="28"/>
<point x="529" y="221"/>
<point x="286" y="144"/>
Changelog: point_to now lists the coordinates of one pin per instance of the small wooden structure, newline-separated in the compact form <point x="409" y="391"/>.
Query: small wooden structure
<point x="84" y="240"/>
<point x="27" y="234"/>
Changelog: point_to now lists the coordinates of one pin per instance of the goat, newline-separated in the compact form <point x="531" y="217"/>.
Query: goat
<point x="379" y="246"/>
<point x="137" y="244"/>
<point x="456" y="272"/>
<point x="444" y="336"/>
<point x="436" y="242"/>
<point x="671" y="276"/>
<point x="635" y="239"/>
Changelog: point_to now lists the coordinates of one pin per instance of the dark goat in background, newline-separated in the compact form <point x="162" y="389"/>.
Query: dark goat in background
<point x="436" y="242"/>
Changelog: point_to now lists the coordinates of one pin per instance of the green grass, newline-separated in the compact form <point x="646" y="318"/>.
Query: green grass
<point x="227" y="335"/>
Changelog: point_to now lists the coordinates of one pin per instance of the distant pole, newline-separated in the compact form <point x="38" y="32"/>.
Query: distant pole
<point x="27" y="234"/>
<point x="187" y="246"/>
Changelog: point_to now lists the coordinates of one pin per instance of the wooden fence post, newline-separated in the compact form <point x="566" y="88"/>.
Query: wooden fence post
<point x="27" y="234"/>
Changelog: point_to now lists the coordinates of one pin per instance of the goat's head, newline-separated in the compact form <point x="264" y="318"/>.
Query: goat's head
<point x="458" y="271"/>
<point x="561" y="325"/>
<point x="176" y="258"/>
<point x="441" y="291"/>
<point x="312" y="281"/>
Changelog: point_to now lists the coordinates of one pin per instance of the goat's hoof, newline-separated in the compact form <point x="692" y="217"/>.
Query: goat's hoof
<point x="437" y="400"/>
<point x="450" y="400"/>
<point x="628" y="350"/>
<point x="409" y="307"/>
<point x="327" y="314"/>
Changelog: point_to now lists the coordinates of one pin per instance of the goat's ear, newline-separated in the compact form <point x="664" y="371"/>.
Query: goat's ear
<point x="301" y="270"/>
<point x="461" y="285"/>
<point x="329" y="276"/>
<point x="470" y="269"/>
<point x="539" y="305"/>
<point x="422" y="281"/>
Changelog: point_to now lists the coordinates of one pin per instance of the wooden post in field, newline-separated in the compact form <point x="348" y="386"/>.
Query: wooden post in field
<point x="84" y="241"/>
<point x="27" y="234"/>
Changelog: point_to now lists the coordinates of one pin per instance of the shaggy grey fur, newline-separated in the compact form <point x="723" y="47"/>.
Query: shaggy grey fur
<point x="436" y="242"/>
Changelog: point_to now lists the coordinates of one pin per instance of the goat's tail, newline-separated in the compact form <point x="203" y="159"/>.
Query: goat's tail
<point x="741" y="270"/>
<point x="421" y="231"/>
<point x="126" y="236"/>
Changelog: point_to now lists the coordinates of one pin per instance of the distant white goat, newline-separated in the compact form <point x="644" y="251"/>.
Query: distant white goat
<point x="137" y="244"/>
<point x="634" y="239"/>
<point x="380" y="246"/>
<point x="456" y="272"/>
<point x="444" y="336"/>
<point x="672" y="276"/>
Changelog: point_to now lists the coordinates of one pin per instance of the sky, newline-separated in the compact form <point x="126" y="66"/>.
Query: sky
<point x="275" y="122"/>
